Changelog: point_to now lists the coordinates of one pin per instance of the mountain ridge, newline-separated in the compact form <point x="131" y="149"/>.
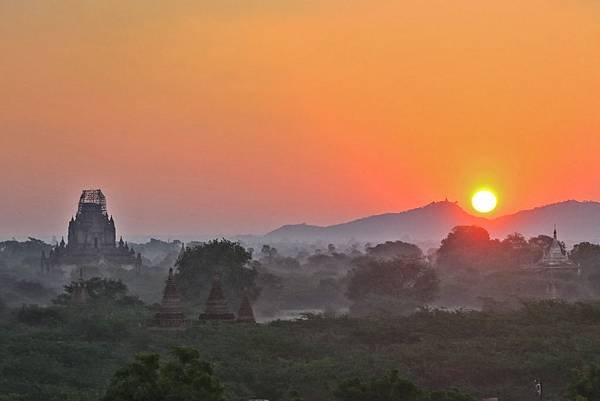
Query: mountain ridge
<point x="576" y="220"/>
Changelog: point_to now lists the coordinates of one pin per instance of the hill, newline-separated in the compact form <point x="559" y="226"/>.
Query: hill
<point x="577" y="221"/>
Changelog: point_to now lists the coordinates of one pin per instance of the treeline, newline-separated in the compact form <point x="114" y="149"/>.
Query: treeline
<point x="69" y="352"/>
<point x="469" y="269"/>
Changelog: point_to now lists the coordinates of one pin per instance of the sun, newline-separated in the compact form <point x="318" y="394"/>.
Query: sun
<point x="484" y="201"/>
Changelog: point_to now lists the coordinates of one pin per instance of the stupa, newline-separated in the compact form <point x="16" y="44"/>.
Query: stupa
<point x="554" y="258"/>
<point x="556" y="267"/>
<point x="245" y="313"/>
<point x="216" y="304"/>
<point x="170" y="314"/>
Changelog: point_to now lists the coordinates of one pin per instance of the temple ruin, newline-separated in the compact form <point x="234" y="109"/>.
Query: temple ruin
<point x="216" y="305"/>
<point x="170" y="315"/>
<point x="245" y="313"/>
<point x="91" y="239"/>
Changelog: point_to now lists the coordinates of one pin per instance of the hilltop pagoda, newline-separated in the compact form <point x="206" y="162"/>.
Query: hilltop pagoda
<point x="170" y="314"/>
<point x="216" y="304"/>
<point x="91" y="239"/>
<point x="245" y="313"/>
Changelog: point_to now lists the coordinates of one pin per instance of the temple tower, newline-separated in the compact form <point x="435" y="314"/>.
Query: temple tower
<point x="245" y="313"/>
<point x="170" y="314"/>
<point x="92" y="227"/>
<point x="216" y="304"/>
<point x="91" y="238"/>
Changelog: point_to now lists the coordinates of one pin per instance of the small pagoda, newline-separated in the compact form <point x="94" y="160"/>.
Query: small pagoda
<point x="170" y="314"/>
<point x="245" y="313"/>
<point x="216" y="304"/>
<point x="555" y="267"/>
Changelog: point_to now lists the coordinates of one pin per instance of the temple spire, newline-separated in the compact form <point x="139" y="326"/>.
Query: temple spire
<point x="555" y="237"/>
<point x="170" y="314"/>
<point x="216" y="304"/>
<point x="245" y="313"/>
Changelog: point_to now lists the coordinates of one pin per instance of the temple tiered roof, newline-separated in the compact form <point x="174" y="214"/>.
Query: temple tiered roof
<point x="216" y="305"/>
<point x="170" y="314"/>
<point x="246" y="314"/>
<point x="555" y="258"/>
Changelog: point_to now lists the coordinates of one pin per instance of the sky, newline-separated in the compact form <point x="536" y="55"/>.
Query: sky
<point x="225" y="117"/>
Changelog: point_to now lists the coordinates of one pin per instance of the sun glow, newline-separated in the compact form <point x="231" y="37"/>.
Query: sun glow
<point x="484" y="201"/>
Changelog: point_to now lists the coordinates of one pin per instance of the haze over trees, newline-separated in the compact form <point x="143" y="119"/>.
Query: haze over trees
<point x="364" y="311"/>
<point x="198" y="265"/>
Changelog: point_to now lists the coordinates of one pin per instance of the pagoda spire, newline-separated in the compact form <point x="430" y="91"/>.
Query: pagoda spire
<point x="245" y="313"/>
<point x="170" y="314"/>
<point x="216" y="304"/>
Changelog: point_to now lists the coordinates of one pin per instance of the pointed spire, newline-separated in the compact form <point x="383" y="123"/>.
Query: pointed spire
<point x="170" y="314"/>
<point x="555" y="237"/>
<point x="216" y="304"/>
<point x="62" y="242"/>
<point x="245" y="313"/>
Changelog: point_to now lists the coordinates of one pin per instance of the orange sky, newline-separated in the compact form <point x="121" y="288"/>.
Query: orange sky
<point x="238" y="116"/>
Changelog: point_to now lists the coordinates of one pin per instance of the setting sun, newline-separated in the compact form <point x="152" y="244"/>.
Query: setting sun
<point x="484" y="201"/>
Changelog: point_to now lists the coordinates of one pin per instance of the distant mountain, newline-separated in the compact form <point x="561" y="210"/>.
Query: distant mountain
<point x="576" y="221"/>
<point x="431" y="222"/>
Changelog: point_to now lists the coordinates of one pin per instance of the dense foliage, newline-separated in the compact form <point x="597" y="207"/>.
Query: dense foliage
<point x="197" y="266"/>
<point x="71" y="353"/>
<point x="390" y="286"/>
<point x="183" y="378"/>
<point x="391" y="387"/>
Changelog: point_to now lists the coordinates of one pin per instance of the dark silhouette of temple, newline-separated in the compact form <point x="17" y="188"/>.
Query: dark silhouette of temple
<point x="170" y="314"/>
<point x="91" y="239"/>
<point x="245" y="313"/>
<point x="216" y="304"/>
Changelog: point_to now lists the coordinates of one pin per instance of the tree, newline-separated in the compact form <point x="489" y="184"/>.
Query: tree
<point x="390" y="387"/>
<point x="518" y="251"/>
<point x="470" y="248"/>
<point x="100" y="289"/>
<point x="268" y="252"/>
<point x="197" y="266"/>
<point x="397" y="279"/>
<point x="541" y="243"/>
<point x="182" y="378"/>
<point x="586" y="255"/>
<point x="396" y="250"/>
<point x="585" y="385"/>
